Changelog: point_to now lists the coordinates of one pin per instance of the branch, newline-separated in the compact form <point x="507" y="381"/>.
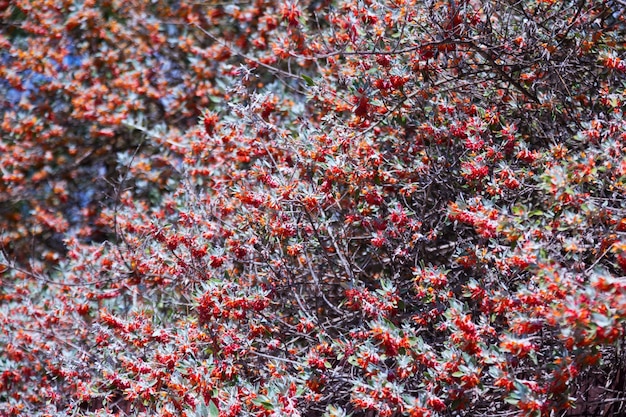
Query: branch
<point x="492" y="63"/>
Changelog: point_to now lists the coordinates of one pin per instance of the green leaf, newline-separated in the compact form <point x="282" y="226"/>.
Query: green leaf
<point x="201" y="410"/>
<point x="308" y="80"/>
<point x="494" y="372"/>
<point x="601" y="320"/>
<point x="264" y="402"/>
<point x="213" y="410"/>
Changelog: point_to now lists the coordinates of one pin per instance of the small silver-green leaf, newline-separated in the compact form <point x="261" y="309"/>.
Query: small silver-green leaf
<point x="213" y="410"/>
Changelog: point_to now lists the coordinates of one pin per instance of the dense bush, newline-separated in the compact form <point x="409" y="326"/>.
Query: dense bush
<point x="80" y="81"/>
<point x="387" y="208"/>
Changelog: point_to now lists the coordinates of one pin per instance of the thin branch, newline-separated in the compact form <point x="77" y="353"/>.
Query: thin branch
<point x="485" y="54"/>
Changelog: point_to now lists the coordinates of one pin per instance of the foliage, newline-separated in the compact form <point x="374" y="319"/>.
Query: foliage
<point x="387" y="208"/>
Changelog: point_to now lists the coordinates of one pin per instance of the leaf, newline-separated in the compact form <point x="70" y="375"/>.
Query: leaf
<point x="494" y="372"/>
<point x="264" y="402"/>
<point x="511" y="401"/>
<point x="213" y="410"/>
<point x="601" y="320"/>
<point x="202" y="410"/>
<point x="309" y="81"/>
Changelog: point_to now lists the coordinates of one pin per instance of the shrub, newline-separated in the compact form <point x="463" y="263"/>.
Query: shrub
<point x="410" y="209"/>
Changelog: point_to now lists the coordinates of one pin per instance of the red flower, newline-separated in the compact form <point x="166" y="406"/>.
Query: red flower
<point x="436" y="404"/>
<point x="290" y="13"/>
<point x="378" y="241"/>
<point x="362" y="106"/>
